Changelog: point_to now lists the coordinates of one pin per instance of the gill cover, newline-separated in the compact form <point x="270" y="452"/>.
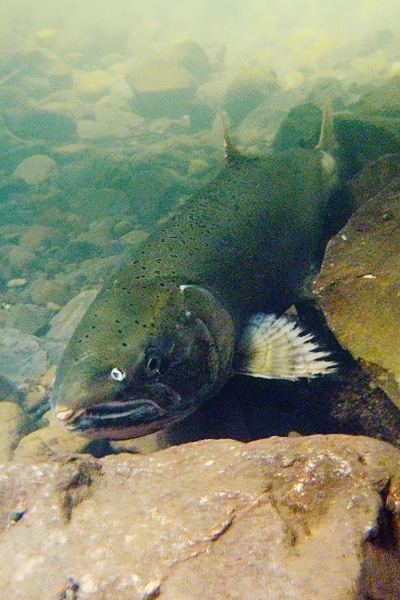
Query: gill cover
<point x="201" y="305"/>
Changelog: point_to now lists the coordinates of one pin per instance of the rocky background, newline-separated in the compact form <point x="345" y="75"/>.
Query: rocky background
<point x="96" y="149"/>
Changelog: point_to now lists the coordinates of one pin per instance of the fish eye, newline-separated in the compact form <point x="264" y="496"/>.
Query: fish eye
<point x="153" y="365"/>
<point x="117" y="374"/>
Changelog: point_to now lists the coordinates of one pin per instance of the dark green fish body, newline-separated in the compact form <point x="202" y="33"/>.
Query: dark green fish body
<point x="162" y="335"/>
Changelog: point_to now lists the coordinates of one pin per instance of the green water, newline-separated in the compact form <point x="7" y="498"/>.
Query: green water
<point x="112" y="115"/>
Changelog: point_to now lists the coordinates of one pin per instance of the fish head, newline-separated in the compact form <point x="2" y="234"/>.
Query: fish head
<point x="142" y="358"/>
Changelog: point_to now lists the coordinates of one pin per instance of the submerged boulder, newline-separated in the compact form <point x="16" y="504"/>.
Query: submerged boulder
<point x="279" y="518"/>
<point x="359" y="283"/>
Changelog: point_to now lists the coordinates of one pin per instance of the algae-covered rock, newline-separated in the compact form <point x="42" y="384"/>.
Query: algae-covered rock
<point x="9" y="391"/>
<point x="27" y="318"/>
<point x="55" y="290"/>
<point x="92" y="83"/>
<point x="301" y="128"/>
<point x="162" y="88"/>
<point x="41" y="124"/>
<point x="35" y="169"/>
<point x="191" y="57"/>
<point x="40" y="237"/>
<point x="383" y="100"/>
<point x="358" y="288"/>
<point x="247" y="90"/>
<point x="22" y="260"/>
<point x="363" y="139"/>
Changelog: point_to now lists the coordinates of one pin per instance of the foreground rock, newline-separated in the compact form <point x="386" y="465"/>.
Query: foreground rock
<point x="358" y="287"/>
<point x="277" y="518"/>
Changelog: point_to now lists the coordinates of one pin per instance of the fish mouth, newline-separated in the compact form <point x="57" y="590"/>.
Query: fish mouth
<point x="116" y="419"/>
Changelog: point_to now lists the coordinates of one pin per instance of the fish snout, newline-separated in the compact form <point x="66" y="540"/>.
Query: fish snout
<point x="67" y="416"/>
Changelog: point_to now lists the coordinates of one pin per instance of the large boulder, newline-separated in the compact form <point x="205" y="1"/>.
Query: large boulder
<point x="358" y="286"/>
<point x="279" y="518"/>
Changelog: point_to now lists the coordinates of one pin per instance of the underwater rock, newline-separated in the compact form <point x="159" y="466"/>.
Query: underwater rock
<point x="21" y="355"/>
<point x="17" y="282"/>
<point x="11" y="429"/>
<point x="110" y="123"/>
<point x="327" y="89"/>
<point x="97" y="203"/>
<point x="56" y="290"/>
<point x="161" y="88"/>
<point x="383" y="100"/>
<point x="41" y="237"/>
<point x="364" y="139"/>
<point x="9" y="392"/>
<point x="374" y="177"/>
<point x="301" y="128"/>
<point x="22" y="260"/>
<point x="217" y="519"/>
<point x="41" y="125"/>
<point x="35" y="169"/>
<point x="358" y="288"/>
<point x="247" y="91"/>
<point x="60" y="75"/>
<point x="64" y="323"/>
<point x="77" y="251"/>
<point x="48" y="442"/>
<point x="93" y="83"/>
<point x="191" y="57"/>
<point x="27" y="318"/>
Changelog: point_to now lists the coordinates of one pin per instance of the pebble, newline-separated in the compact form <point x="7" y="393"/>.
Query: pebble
<point x="17" y="282"/>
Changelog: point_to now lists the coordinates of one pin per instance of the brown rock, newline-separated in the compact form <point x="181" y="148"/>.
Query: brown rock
<point x="11" y="429"/>
<point x="276" y="518"/>
<point x="358" y="288"/>
<point x="50" y="441"/>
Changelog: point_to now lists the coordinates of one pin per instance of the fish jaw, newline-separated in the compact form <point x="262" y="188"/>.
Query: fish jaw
<point x="123" y="419"/>
<point x="132" y="420"/>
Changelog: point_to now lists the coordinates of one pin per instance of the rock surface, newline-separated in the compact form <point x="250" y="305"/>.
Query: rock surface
<point x="277" y="518"/>
<point x="11" y="429"/>
<point x="21" y="355"/>
<point x="358" y="288"/>
<point x="35" y="169"/>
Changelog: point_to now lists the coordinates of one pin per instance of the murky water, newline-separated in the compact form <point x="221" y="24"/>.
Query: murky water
<point x="111" y="116"/>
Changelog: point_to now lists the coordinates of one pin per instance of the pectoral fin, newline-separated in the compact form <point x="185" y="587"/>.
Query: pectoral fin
<point x="277" y="348"/>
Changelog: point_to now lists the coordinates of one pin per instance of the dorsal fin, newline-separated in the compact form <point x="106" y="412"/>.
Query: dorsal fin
<point x="232" y="155"/>
<point x="327" y="140"/>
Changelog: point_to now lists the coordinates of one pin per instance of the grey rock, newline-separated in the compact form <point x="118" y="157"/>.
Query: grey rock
<point x="21" y="355"/>
<point x="278" y="518"/>
<point x="27" y="318"/>
<point x="35" y="169"/>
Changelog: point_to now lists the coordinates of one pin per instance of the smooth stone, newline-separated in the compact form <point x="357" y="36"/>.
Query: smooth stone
<point x="35" y="169"/>
<point x="49" y="441"/>
<point x="22" y="356"/>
